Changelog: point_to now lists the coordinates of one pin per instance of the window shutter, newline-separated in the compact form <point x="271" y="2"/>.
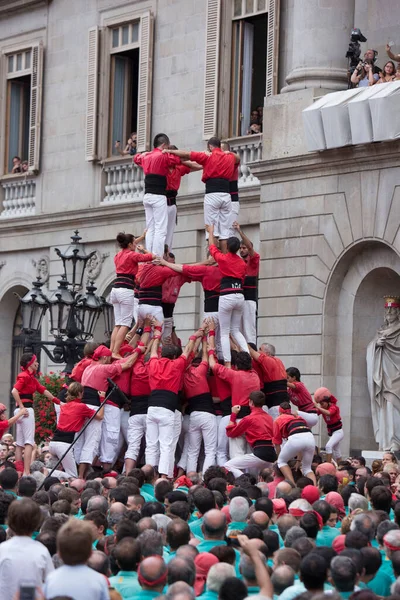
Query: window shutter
<point x="272" y="47"/>
<point x="145" y="82"/>
<point x="92" y="94"/>
<point x="36" y="107"/>
<point x="211" y="68"/>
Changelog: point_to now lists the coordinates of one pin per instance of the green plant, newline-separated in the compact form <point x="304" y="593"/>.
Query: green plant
<point x="45" y="415"/>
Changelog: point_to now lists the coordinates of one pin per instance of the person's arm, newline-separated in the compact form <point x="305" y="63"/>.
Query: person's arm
<point x="234" y="429"/>
<point x="141" y="237"/>
<point x="291" y="385"/>
<point x="23" y="412"/>
<point x="356" y="75"/>
<point x="174" y="266"/>
<point x="16" y="396"/>
<point x="118" y="149"/>
<point x="130" y="361"/>
<point x="391" y="55"/>
<point x="192" y="165"/>
<point x="254" y="354"/>
<point x="323" y="411"/>
<point x="244" y="237"/>
<point x="250" y="547"/>
<point x="185" y="154"/>
<point x="190" y="345"/>
<point x="211" y="239"/>
<point x="371" y="79"/>
<point x="157" y="328"/>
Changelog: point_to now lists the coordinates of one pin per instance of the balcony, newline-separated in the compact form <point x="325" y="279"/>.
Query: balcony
<point x="124" y="182"/>
<point x="19" y="197"/>
<point x="249" y="148"/>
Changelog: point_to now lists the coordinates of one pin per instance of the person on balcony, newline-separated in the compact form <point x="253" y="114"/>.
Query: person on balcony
<point x="218" y="170"/>
<point x="155" y="165"/>
<point x="388" y="73"/>
<point x="130" y="148"/>
<point x="123" y="291"/>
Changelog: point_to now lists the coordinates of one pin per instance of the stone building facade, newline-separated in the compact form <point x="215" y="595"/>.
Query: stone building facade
<point x="77" y="76"/>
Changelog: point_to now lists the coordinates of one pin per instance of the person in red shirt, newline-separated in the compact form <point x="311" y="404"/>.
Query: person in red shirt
<point x="300" y="442"/>
<point x="123" y="290"/>
<point x="218" y="171"/>
<point x="22" y="392"/>
<point x="273" y="377"/>
<point x="165" y="380"/>
<point x="156" y="165"/>
<point x="94" y="381"/>
<point x="152" y="278"/>
<point x="170" y="293"/>
<point x="72" y="418"/>
<point x="326" y="404"/>
<point x="257" y="427"/>
<point x="301" y="397"/>
<point x="250" y="286"/>
<point x="231" y="301"/>
<point x="174" y="178"/>
<point x="202" y="419"/>
<point x="6" y="423"/>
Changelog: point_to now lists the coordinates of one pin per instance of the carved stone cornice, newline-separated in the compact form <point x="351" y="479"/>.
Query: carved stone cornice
<point x="11" y="6"/>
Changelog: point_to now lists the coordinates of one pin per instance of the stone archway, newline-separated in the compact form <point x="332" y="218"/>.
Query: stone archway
<point x="353" y="310"/>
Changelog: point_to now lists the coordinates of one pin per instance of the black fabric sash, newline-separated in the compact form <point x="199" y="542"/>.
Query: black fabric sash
<point x="226" y="406"/>
<point x="139" y="405"/>
<point x="168" y="309"/>
<point x="164" y="399"/>
<point x="124" y="280"/>
<point x="151" y="295"/>
<point x="211" y="301"/>
<point x="201" y="403"/>
<point x="63" y="436"/>
<point x="155" y="184"/>
<point x="217" y="184"/>
<point x="91" y="396"/>
<point x="231" y="285"/>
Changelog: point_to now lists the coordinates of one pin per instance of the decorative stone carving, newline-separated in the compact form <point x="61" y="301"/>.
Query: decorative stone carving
<point x="95" y="263"/>
<point x="42" y="268"/>
<point x="383" y="371"/>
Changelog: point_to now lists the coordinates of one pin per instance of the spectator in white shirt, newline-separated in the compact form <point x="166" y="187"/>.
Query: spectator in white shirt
<point x="21" y="558"/>
<point x="75" y="578"/>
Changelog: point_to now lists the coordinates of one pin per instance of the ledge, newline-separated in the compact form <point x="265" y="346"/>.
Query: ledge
<point x="9" y="6"/>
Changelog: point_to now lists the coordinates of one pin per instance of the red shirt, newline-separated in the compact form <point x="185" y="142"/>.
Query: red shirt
<point x="95" y="375"/>
<point x="195" y="380"/>
<point x="208" y="275"/>
<point x="166" y="374"/>
<point x="126" y="261"/>
<point x="258" y="425"/>
<point x="28" y="384"/>
<point x="3" y="427"/>
<point x="73" y="415"/>
<point x="172" y="287"/>
<point x="154" y="275"/>
<point x="280" y="427"/>
<point x="156" y="162"/>
<point x="272" y="368"/>
<point x="175" y="175"/>
<point x="218" y="164"/>
<point x="139" y="383"/>
<point x="235" y="175"/>
<point x="78" y="369"/>
<point x="334" y="415"/>
<point x="301" y="397"/>
<point x="230" y="265"/>
<point x="242" y="383"/>
<point x="123" y="380"/>
<point x="252" y="265"/>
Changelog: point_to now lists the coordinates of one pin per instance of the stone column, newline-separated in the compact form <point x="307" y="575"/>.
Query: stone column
<point x="321" y="34"/>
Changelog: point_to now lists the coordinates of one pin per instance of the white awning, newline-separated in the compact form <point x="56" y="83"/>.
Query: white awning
<point x="360" y="116"/>
<point x="385" y="112"/>
<point x="336" y="120"/>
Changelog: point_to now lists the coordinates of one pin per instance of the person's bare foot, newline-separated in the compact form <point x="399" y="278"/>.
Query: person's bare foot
<point x="116" y="356"/>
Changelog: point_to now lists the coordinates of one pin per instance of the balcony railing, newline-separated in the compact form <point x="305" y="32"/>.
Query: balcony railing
<point x="249" y="148"/>
<point x="124" y="183"/>
<point x="19" y="198"/>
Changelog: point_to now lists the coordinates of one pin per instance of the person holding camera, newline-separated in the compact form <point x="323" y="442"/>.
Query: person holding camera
<point x="364" y="75"/>
<point x="130" y="148"/>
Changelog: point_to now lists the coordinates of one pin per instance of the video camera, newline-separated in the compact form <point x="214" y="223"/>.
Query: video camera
<point x="354" y="51"/>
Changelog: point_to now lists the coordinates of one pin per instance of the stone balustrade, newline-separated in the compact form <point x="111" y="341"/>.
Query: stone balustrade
<point x="249" y="148"/>
<point x="124" y="182"/>
<point x="19" y="198"/>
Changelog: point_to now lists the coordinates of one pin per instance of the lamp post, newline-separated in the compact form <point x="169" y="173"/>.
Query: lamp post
<point x="73" y="314"/>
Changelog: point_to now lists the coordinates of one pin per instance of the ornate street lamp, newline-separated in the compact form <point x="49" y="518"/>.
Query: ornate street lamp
<point x="87" y="311"/>
<point x="33" y="308"/>
<point x="61" y="304"/>
<point x="74" y="262"/>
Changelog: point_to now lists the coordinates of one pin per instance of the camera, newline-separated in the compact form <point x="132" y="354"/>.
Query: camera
<point x="357" y="36"/>
<point x="354" y="50"/>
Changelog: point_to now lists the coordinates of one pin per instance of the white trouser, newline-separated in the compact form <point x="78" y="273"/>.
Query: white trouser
<point x="123" y="433"/>
<point x="148" y="309"/>
<point x="297" y="443"/>
<point x="136" y="431"/>
<point x="202" y="426"/>
<point x="217" y="329"/>
<point x="87" y="446"/>
<point x="249" y="321"/>
<point x="159" y="437"/>
<point x="243" y="463"/>
<point x="223" y="441"/>
<point x="167" y="329"/>
<point x="333" y="444"/>
<point x="230" y="313"/>
<point x="238" y="446"/>
<point x="135" y="308"/>
<point x="184" y="442"/>
<point x="310" y="418"/>
<point x="110" y="434"/>
<point x="68" y="462"/>
<point x="155" y="208"/>
<point x="122" y="300"/>
<point x="171" y="214"/>
<point x="234" y="217"/>
<point x="177" y="433"/>
<point x="218" y="212"/>
<point x="25" y="429"/>
<point x="273" y="412"/>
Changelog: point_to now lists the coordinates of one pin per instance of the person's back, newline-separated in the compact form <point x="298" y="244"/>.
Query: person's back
<point x="21" y="558"/>
<point x="75" y="578"/>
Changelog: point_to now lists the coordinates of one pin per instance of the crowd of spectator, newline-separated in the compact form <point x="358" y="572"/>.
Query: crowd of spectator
<point x="367" y="73"/>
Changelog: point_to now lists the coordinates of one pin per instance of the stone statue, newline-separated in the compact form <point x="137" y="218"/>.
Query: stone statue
<point x="383" y="372"/>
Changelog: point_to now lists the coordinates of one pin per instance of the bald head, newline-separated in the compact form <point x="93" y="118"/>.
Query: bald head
<point x="282" y="578"/>
<point x="289" y="557"/>
<point x="146" y="523"/>
<point x="77" y="484"/>
<point x="214" y="525"/>
<point x="260" y="518"/>
<point x="152" y="573"/>
<point x="268" y="349"/>
<point x="285" y="522"/>
<point x="99" y="561"/>
<point x="246" y="568"/>
<point x="117" y="508"/>
<point x="283" y="489"/>
<point x="148" y="473"/>
<point x="109" y="483"/>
